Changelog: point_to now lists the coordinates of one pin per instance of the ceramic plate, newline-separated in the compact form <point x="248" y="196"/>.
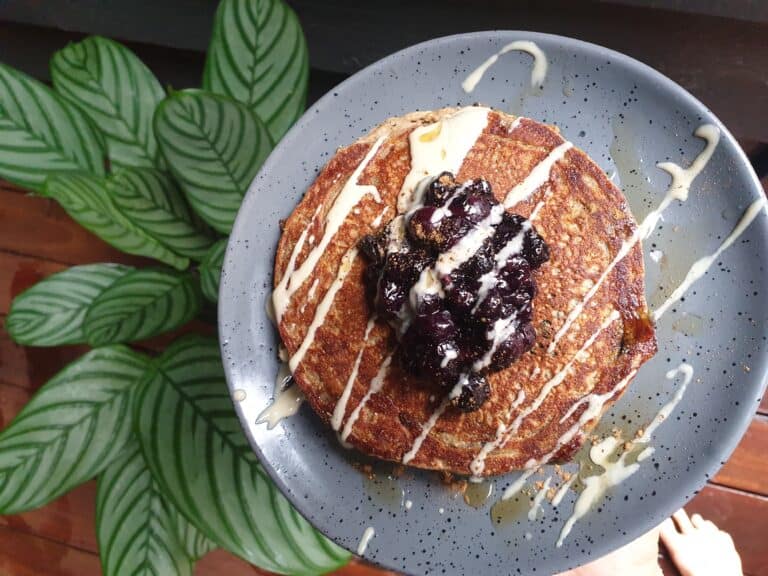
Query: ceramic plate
<point x="628" y="118"/>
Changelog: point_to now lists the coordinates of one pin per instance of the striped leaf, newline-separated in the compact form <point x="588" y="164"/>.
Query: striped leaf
<point x="141" y="304"/>
<point x="86" y="200"/>
<point x="199" y="455"/>
<point x="134" y="522"/>
<point x="151" y="200"/>
<point x="73" y="428"/>
<point x="195" y="544"/>
<point x="258" y="55"/>
<point x="51" y="312"/>
<point x="41" y="134"/>
<point x="111" y="86"/>
<point x="210" y="270"/>
<point x="214" y="146"/>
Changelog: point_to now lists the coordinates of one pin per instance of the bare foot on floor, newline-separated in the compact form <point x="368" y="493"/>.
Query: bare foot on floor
<point x="698" y="547"/>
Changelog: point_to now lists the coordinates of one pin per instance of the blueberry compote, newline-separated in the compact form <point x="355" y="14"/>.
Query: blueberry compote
<point x="454" y="277"/>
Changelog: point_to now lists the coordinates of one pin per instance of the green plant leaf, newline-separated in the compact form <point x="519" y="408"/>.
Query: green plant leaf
<point x="71" y="430"/>
<point x="85" y="198"/>
<point x="51" y="312"/>
<point x="41" y="134"/>
<point x="151" y="200"/>
<point x="214" y="146"/>
<point x="141" y="304"/>
<point x="193" y="443"/>
<point x="258" y="55"/>
<point x="210" y="270"/>
<point x="111" y="86"/>
<point x="134" y="522"/>
<point x="192" y="540"/>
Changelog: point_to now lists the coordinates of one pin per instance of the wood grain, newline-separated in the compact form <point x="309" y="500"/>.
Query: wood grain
<point x="17" y="273"/>
<point x="69" y="520"/>
<point x="30" y="368"/>
<point x="39" y="227"/>
<point x="25" y="555"/>
<point x="747" y="468"/>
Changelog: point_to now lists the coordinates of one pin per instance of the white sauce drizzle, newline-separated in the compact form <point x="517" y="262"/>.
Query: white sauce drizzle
<point x="538" y="499"/>
<point x="538" y="73"/>
<point x="287" y="400"/>
<point x="616" y="472"/>
<point x="594" y="408"/>
<point x="376" y="385"/>
<point x="503" y="431"/>
<point x="367" y="535"/>
<point x="678" y="189"/>
<point x="323" y="308"/>
<point x="313" y="288"/>
<point x="538" y="176"/>
<point x="349" y="196"/>
<point x="502" y="329"/>
<point x="341" y="404"/>
<point x="280" y="297"/>
<point x="701" y="266"/>
<point x="563" y="490"/>
<point x="426" y="429"/>
<point x="441" y="146"/>
<point x="377" y="221"/>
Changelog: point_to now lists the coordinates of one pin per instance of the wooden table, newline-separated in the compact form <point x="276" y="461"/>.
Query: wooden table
<point x="37" y="239"/>
<point x="723" y="61"/>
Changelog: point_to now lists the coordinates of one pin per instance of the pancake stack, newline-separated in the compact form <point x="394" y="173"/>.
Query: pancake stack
<point x="589" y="312"/>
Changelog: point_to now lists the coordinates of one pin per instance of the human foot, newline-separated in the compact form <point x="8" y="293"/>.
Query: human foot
<point x="698" y="547"/>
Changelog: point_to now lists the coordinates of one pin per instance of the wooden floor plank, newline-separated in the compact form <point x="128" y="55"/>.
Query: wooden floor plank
<point x="25" y="555"/>
<point x="28" y="367"/>
<point x="69" y="520"/>
<point x="36" y="226"/>
<point x="743" y="516"/>
<point x="17" y="273"/>
<point x="747" y="468"/>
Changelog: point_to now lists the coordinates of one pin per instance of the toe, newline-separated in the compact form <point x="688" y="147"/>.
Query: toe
<point x="698" y="521"/>
<point x="683" y="522"/>
<point x="668" y="532"/>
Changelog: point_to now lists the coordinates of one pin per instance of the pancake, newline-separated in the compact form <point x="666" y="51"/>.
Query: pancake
<point x="589" y="312"/>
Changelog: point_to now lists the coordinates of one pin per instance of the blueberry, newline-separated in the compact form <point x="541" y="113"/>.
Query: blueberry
<point x="535" y="249"/>
<point x="515" y="273"/>
<point x="507" y="229"/>
<point x="473" y="207"/>
<point x="517" y="344"/>
<point x="373" y="249"/>
<point x="473" y="394"/>
<point x="429" y="340"/>
<point x="440" y="189"/>
<point x="460" y="295"/>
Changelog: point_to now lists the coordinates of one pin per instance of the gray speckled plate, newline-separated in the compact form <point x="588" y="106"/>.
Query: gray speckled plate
<point x="627" y="117"/>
